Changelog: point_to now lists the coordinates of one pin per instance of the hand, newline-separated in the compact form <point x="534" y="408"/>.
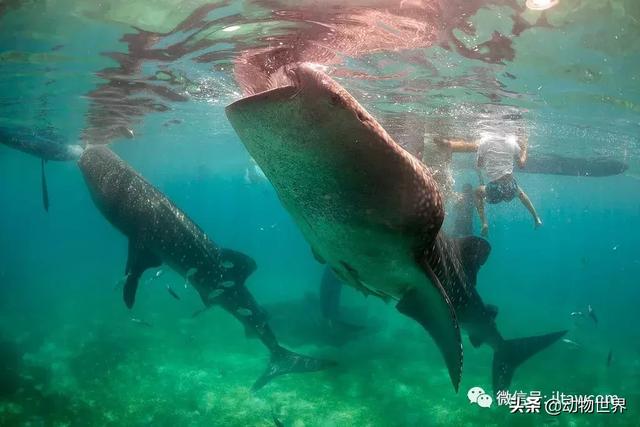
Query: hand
<point x="441" y="142"/>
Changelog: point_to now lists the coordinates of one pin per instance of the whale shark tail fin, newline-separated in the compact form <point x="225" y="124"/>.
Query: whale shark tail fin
<point x="284" y="361"/>
<point x="512" y="353"/>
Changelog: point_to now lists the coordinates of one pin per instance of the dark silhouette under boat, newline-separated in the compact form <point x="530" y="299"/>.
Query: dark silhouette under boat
<point x="45" y="144"/>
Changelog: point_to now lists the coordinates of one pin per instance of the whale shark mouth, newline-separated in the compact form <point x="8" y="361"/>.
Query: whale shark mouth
<point x="349" y="187"/>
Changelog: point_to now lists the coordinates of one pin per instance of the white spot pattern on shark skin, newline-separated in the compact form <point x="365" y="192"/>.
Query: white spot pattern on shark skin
<point x="227" y="264"/>
<point x="215" y="294"/>
<point x="244" y="312"/>
<point x="228" y="284"/>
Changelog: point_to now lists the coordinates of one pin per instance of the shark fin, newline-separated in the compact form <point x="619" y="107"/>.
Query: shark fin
<point x="284" y="361"/>
<point x="430" y="306"/>
<point x="138" y="260"/>
<point x="237" y="266"/>
<point x="45" y="191"/>
<point x="474" y="252"/>
<point x="492" y="310"/>
<point x="512" y="353"/>
<point x="475" y="340"/>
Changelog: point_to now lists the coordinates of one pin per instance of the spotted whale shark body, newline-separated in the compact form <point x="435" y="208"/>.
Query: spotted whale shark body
<point x="160" y="233"/>
<point x="369" y="209"/>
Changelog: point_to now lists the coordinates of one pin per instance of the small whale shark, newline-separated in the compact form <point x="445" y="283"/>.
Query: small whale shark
<point x="160" y="233"/>
<point x="44" y="144"/>
<point x="372" y="212"/>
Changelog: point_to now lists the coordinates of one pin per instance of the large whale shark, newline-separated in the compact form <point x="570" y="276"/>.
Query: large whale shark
<point x="160" y="233"/>
<point x="368" y="208"/>
<point x="44" y="144"/>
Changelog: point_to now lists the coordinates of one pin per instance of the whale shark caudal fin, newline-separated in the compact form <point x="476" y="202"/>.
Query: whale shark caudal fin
<point x="512" y="353"/>
<point x="284" y="361"/>
<point x="45" y="191"/>
<point x="138" y="260"/>
<point x="430" y="306"/>
<point x="474" y="252"/>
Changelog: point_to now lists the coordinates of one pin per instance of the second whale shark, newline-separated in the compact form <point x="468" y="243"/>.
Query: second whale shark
<point x="160" y="233"/>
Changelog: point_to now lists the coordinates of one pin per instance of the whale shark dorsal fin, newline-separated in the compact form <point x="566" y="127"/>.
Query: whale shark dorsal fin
<point x="474" y="252"/>
<point x="236" y="266"/>
<point x="492" y="310"/>
<point x="139" y="259"/>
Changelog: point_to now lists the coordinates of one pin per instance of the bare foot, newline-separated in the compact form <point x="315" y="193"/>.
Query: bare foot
<point x="538" y="223"/>
<point x="484" y="231"/>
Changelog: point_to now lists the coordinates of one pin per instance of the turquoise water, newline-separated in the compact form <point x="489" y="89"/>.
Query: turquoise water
<point x="71" y="353"/>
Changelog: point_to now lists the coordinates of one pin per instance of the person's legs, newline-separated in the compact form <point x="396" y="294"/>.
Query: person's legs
<point x="527" y="204"/>
<point x="480" y="194"/>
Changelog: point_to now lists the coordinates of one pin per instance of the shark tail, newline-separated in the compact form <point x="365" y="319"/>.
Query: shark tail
<point x="284" y="361"/>
<point x="512" y="353"/>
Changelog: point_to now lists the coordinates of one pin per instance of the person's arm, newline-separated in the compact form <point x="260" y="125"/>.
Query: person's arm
<point x="522" y="158"/>
<point x="457" y="145"/>
<point x="461" y="146"/>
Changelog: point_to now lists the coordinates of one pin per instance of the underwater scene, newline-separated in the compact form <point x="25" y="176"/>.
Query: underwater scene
<point x="319" y="213"/>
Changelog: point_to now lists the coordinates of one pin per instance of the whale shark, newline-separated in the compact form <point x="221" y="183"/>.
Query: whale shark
<point x="160" y="233"/>
<point x="457" y="262"/>
<point x="45" y="144"/>
<point x="369" y="210"/>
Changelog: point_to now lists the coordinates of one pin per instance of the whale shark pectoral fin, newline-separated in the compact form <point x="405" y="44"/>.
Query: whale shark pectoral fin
<point x="236" y="265"/>
<point x="43" y="181"/>
<point x="474" y="252"/>
<point x="430" y="306"/>
<point x="139" y="259"/>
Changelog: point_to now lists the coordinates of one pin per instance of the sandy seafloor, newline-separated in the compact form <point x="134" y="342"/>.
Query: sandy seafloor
<point x="198" y="372"/>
